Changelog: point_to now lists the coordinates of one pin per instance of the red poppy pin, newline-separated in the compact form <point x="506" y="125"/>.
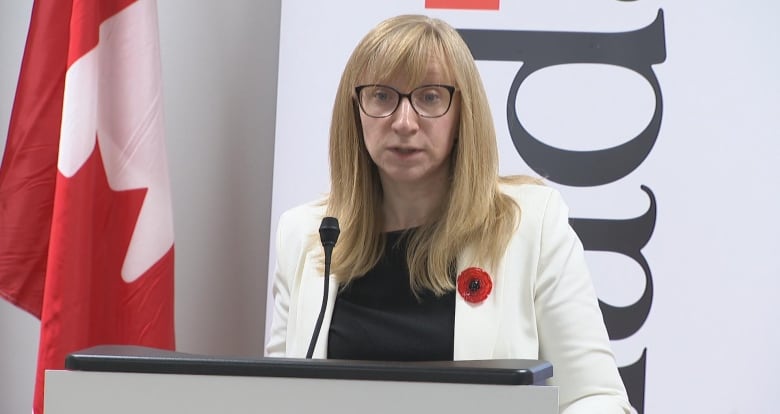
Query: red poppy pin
<point x="474" y="285"/>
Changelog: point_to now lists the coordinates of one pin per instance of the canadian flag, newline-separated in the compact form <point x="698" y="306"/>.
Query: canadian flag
<point x="86" y="229"/>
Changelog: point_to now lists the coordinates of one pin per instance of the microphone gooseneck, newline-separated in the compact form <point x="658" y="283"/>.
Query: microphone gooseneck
<point x="329" y="234"/>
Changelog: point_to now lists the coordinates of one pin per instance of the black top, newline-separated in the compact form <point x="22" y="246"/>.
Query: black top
<point x="377" y="317"/>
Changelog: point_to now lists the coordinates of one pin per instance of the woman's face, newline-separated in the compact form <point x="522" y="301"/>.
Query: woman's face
<point x="407" y="148"/>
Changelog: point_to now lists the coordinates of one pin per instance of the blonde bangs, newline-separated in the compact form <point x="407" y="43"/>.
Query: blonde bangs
<point x="405" y="50"/>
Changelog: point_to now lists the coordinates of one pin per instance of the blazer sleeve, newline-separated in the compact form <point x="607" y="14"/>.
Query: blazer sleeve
<point x="277" y="343"/>
<point x="572" y="334"/>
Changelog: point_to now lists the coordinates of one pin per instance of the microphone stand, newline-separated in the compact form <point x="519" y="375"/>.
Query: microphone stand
<point x="329" y="234"/>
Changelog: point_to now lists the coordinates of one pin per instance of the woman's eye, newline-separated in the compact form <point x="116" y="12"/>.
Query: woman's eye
<point x="428" y="96"/>
<point x="431" y="97"/>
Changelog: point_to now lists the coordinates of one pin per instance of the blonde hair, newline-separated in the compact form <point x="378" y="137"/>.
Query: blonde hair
<point x="474" y="210"/>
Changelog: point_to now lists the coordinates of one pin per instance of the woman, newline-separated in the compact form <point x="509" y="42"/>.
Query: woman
<point x="439" y="257"/>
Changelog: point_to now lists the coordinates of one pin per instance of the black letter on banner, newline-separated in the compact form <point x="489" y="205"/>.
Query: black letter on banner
<point x="634" y="379"/>
<point x="627" y="237"/>
<point x="636" y="50"/>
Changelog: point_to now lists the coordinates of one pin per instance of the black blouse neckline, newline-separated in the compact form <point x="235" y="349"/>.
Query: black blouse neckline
<point x="378" y="317"/>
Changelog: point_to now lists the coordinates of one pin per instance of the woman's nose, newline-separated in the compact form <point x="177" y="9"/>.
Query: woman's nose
<point x="405" y="118"/>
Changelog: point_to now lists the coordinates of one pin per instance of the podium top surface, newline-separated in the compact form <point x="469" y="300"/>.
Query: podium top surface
<point x="137" y="359"/>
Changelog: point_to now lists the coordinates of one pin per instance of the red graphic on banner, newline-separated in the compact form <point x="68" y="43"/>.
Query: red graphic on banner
<point x="462" y="4"/>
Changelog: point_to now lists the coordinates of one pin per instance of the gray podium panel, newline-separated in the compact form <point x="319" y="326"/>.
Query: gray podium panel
<point x="130" y="380"/>
<point x="80" y="392"/>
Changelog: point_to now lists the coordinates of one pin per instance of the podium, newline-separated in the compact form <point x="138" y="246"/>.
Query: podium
<point x="131" y="379"/>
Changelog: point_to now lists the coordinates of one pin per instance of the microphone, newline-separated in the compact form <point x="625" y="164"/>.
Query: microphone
<point x="329" y="234"/>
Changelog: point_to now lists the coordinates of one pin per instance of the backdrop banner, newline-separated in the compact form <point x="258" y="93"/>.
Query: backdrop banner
<point x="655" y="121"/>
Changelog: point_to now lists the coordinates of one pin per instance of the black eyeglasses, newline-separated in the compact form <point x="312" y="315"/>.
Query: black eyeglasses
<point x="428" y="101"/>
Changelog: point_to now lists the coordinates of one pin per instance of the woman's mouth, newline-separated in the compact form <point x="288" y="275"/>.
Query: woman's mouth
<point x="404" y="151"/>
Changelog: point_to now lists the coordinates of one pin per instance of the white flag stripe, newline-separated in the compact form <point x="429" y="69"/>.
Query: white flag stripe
<point x="79" y="115"/>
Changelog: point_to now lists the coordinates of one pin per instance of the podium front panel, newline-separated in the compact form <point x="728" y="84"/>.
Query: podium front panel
<point x="85" y="392"/>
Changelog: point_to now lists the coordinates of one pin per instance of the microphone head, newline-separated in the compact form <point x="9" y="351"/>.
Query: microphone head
<point x="329" y="231"/>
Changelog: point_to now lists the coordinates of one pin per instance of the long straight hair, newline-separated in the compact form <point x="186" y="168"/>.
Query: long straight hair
<point x="474" y="211"/>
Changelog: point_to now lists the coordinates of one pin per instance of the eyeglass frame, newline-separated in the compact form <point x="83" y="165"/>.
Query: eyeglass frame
<point x="451" y="89"/>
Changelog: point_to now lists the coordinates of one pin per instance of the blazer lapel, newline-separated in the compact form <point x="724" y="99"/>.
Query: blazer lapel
<point x="476" y="324"/>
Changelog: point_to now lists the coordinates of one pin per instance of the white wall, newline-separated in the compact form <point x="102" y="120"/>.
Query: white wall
<point x="219" y="72"/>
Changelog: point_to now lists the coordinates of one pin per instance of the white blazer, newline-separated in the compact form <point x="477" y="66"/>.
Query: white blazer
<point x="543" y="305"/>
